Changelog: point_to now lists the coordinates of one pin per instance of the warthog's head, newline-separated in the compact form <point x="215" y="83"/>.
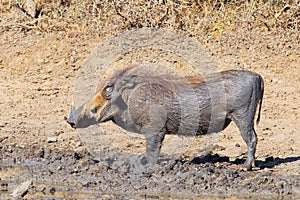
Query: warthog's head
<point x="102" y="107"/>
<point x="96" y="110"/>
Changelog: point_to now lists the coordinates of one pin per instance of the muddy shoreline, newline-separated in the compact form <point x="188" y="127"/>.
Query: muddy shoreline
<point x="65" y="173"/>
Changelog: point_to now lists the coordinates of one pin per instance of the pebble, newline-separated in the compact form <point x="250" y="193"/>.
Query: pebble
<point x="51" y="139"/>
<point x="2" y="124"/>
<point x="96" y="159"/>
<point x="78" y="144"/>
<point x="52" y="190"/>
<point x="22" y="189"/>
<point x="3" y="138"/>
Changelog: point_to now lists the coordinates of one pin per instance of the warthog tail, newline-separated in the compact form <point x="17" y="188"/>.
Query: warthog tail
<point x="261" y="95"/>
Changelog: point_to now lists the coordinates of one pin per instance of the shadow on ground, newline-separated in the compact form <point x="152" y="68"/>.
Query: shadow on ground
<point x="269" y="162"/>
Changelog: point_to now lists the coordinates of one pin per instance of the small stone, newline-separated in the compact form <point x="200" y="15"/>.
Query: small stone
<point x="51" y="139"/>
<point x="3" y="138"/>
<point x="96" y="160"/>
<point x="2" y="124"/>
<point x="78" y="144"/>
<point x="266" y="169"/>
<point x="22" y="189"/>
<point x="52" y="190"/>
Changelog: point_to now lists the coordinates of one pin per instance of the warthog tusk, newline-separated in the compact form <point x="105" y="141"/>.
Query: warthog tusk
<point x="72" y="110"/>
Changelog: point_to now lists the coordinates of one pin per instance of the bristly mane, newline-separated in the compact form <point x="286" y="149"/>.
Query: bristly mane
<point x="119" y="73"/>
<point x="191" y="79"/>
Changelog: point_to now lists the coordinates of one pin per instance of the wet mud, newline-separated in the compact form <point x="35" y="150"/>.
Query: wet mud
<point x="65" y="173"/>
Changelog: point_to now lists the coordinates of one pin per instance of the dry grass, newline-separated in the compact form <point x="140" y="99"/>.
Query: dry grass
<point x="196" y="17"/>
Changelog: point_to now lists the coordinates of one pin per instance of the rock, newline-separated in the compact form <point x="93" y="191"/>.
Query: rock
<point x="96" y="159"/>
<point x="75" y="171"/>
<point x="52" y="190"/>
<point x="78" y="144"/>
<point x="51" y="139"/>
<point x="2" y="124"/>
<point x="22" y="189"/>
<point x="3" y="138"/>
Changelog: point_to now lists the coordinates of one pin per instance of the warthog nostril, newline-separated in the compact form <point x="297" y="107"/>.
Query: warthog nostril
<point x="72" y="124"/>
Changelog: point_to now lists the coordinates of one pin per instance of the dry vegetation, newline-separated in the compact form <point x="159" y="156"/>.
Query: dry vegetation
<point x="197" y="17"/>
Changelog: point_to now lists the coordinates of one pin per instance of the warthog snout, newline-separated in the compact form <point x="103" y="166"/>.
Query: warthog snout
<point x="84" y="116"/>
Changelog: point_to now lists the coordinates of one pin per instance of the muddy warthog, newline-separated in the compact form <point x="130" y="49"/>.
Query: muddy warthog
<point x="155" y="105"/>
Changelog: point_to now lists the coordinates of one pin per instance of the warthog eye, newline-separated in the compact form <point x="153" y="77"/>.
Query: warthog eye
<point x="107" y="92"/>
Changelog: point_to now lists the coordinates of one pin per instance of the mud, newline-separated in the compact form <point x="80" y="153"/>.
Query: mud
<point x="72" y="174"/>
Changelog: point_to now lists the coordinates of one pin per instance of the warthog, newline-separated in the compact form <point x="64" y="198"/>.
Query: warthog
<point x="155" y="105"/>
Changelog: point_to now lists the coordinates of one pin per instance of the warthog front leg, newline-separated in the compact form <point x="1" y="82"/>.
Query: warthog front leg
<point x="153" y="146"/>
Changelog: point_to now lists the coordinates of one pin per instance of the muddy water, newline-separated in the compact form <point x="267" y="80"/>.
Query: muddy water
<point x="66" y="174"/>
